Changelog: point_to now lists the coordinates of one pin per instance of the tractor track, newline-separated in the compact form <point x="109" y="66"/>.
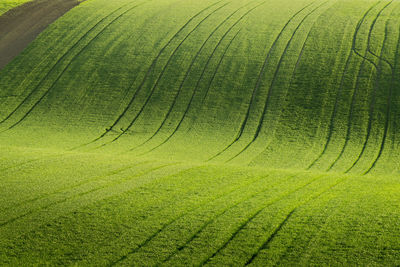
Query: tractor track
<point x="218" y="215"/>
<point x="355" y="91"/>
<point x="373" y="100"/>
<point x="200" y="78"/>
<point x="258" y="83"/>
<point x="254" y="215"/>
<point x="186" y="76"/>
<point x="155" y="234"/>
<point x="11" y="220"/>
<point x="266" y="244"/>
<point x="63" y="71"/>
<point x="292" y="77"/>
<point x="153" y="89"/>
<point x="266" y="105"/>
<point x="149" y="70"/>
<point x="388" y="106"/>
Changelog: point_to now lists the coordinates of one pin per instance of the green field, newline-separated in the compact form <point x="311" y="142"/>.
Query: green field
<point x="181" y="133"/>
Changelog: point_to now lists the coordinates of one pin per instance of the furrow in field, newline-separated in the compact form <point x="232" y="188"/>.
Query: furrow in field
<point x="19" y="164"/>
<point x="334" y="113"/>
<point x="58" y="61"/>
<point x="313" y="239"/>
<point x="374" y="92"/>
<point x="63" y="71"/>
<point x="335" y="109"/>
<point x="219" y="214"/>
<point x="11" y="220"/>
<point x="223" y="212"/>
<point x="218" y="66"/>
<point x="152" y="90"/>
<point x="187" y="75"/>
<point x="354" y="47"/>
<point x="388" y="114"/>
<point x="201" y="77"/>
<point x="349" y="118"/>
<point x="149" y="70"/>
<point x="249" y="219"/>
<point x="75" y="186"/>
<point x="393" y="139"/>
<point x="41" y="217"/>
<point x="283" y="106"/>
<point x="174" y="220"/>
<point x="266" y="244"/>
<point x="338" y="95"/>
<point x="292" y="77"/>
<point x="356" y="88"/>
<point x="258" y="83"/>
<point x="37" y="87"/>
<point x="271" y="237"/>
<point x="31" y="161"/>
<point x="370" y="35"/>
<point x="72" y="60"/>
<point x="266" y="105"/>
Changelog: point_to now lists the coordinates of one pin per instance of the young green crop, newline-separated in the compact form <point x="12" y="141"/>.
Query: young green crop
<point x="228" y="81"/>
<point x="177" y="133"/>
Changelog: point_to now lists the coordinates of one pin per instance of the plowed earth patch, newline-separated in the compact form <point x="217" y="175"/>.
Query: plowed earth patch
<point x="21" y="25"/>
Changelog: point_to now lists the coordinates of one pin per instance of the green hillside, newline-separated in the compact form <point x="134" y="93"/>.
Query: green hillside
<point x="139" y="132"/>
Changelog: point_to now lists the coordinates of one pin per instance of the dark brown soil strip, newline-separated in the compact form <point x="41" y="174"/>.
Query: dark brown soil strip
<point x="21" y="25"/>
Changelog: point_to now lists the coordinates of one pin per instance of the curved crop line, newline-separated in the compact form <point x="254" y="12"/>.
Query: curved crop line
<point x="58" y="61"/>
<point x="245" y="223"/>
<point x="275" y="232"/>
<point x="155" y="60"/>
<point x="369" y="39"/>
<point x="373" y="99"/>
<point x="266" y="105"/>
<point x="389" y="104"/>
<point x="219" y="64"/>
<point x="82" y="194"/>
<point x="296" y="66"/>
<point x="32" y="160"/>
<point x="354" y="48"/>
<point x="271" y="237"/>
<point x="350" y="116"/>
<point x="253" y="96"/>
<point x="96" y="178"/>
<point x="186" y="76"/>
<point x="334" y="112"/>
<point x="218" y="215"/>
<point x="18" y="165"/>
<point x="313" y="238"/>
<point x="144" y="243"/>
<point x="394" y="82"/>
<point x="200" y="78"/>
<point x="66" y="67"/>
<point x="349" y="119"/>
<point x="45" y="58"/>
<point x="370" y="35"/>
<point x="153" y="89"/>
<point x="214" y="73"/>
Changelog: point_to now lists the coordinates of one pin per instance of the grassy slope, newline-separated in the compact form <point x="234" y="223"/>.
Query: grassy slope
<point x="305" y="93"/>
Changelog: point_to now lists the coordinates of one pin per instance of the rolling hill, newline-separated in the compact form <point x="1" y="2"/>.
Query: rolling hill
<point x="171" y="132"/>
